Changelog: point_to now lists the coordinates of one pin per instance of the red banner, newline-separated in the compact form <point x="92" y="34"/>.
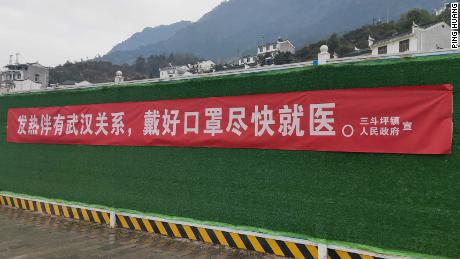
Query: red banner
<point x="412" y="120"/>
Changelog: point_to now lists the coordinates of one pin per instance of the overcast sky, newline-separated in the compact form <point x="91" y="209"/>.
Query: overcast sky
<point x="53" y="31"/>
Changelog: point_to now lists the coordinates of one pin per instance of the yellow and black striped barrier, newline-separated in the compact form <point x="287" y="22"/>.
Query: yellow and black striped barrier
<point x="339" y="254"/>
<point x="95" y="216"/>
<point x="220" y="237"/>
<point x="280" y="246"/>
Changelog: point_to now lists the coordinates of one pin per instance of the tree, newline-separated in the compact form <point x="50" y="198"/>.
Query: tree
<point x="171" y="58"/>
<point x="333" y="43"/>
<point x="262" y="59"/>
<point x="445" y="16"/>
<point x="419" y="16"/>
<point x="97" y="71"/>
<point x="140" y="65"/>
<point x="283" y="58"/>
<point x="309" y="52"/>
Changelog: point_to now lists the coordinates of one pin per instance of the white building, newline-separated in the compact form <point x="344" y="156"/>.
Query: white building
<point x="25" y="85"/>
<point x="276" y="47"/>
<point x="24" y="77"/>
<point x="205" y="67"/>
<point x="270" y="50"/>
<point x="174" y="71"/>
<point x="425" y="38"/>
<point x="248" y="60"/>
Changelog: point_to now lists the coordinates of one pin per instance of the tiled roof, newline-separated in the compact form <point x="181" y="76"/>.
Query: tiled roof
<point x="392" y="38"/>
<point x="406" y="34"/>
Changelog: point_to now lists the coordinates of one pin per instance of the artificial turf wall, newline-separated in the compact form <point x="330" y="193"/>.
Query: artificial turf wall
<point x="401" y="202"/>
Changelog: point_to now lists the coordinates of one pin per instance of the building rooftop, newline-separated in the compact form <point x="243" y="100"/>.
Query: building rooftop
<point x="271" y="43"/>
<point x="22" y="66"/>
<point x="392" y="38"/>
<point x="406" y="34"/>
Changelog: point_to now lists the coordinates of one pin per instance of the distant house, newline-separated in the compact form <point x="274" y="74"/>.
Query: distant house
<point x="424" y="38"/>
<point x="206" y="66"/>
<point x="276" y="47"/>
<point x="247" y="61"/>
<point x="201" y="67"/>
<point x="174" y="71"/>
<point x="271" y="49"/>
<point x="24" y="77"/>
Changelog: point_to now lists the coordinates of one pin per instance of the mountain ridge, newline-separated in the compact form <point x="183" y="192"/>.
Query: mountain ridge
<point x="236" y="27"/>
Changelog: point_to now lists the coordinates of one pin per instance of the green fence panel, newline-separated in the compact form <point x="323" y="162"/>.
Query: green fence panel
<point x="403" y="202"/>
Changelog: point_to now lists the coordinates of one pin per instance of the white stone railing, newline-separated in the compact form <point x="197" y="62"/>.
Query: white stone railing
<point x="322" y="61"/>
<point x="156" y="80"/>
<point x="392" y="56"/>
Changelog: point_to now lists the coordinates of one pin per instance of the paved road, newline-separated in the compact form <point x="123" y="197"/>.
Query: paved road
<point x="25" y="234"/>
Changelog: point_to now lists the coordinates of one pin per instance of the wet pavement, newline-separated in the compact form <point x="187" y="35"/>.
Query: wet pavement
<point x="24" y="234"/>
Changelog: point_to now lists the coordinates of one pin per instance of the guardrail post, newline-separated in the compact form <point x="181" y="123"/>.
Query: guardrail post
<point x="322" y="251"/>
<point x="324" y="55"/>
<point x="113" y="221"/>
<point x="119" y="78"/>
